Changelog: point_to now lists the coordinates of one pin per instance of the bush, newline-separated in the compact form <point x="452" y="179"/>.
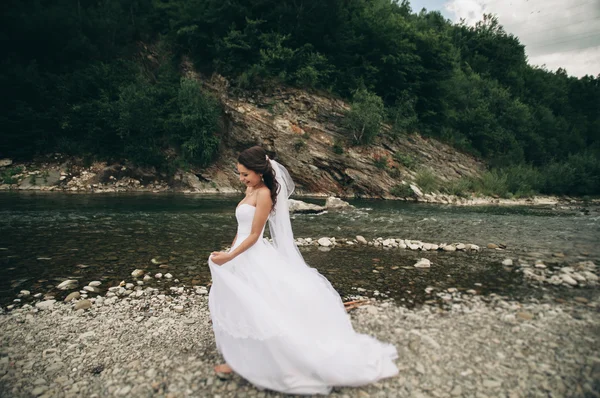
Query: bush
<point x="406" y="160"/>
<point x="523" y="180"/>
<point x="427" y="181"/>
<point x="381" y="162"/>
<point x="7" y="175"/>
<point x="338" y="146"/>
<point x="492" y="183"/>
<point x="299" y="144"/>
<point x="578" y="175"/>
<point x="402" y="191"/>
<point x="365" y="116"/>
<point x="460" y="187"/>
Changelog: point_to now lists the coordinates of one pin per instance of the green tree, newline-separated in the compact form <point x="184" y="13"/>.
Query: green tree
<point x="365" y="116"/>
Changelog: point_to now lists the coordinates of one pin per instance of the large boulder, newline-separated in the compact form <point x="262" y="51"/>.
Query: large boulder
<point x="298" y="206"/>
<point x="336" y="203"/>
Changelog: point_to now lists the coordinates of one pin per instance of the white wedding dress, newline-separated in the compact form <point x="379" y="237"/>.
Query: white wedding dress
<point x="284" y="327"/>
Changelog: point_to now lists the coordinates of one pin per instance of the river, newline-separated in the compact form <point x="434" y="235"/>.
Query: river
<point x="47" y="237"/>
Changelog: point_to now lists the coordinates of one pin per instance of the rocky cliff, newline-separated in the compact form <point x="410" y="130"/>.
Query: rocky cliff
<point x="302" y="130"/>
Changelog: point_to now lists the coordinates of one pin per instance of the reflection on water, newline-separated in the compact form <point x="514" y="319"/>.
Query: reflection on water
<point x="48" y="237"/>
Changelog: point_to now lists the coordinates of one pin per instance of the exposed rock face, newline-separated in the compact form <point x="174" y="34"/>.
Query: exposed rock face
<point x="299" y="129"/>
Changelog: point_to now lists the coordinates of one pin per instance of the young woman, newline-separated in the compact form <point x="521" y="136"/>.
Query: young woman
<point x="277" y="322"/>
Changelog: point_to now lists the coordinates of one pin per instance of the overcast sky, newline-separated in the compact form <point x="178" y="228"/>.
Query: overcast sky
<point x="556" y="33"/>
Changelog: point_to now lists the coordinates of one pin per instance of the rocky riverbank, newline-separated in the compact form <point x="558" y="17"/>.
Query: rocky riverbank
<point x="56" y="173"/>
<point x="162" y="345"/>
<point x="66" y="175"/>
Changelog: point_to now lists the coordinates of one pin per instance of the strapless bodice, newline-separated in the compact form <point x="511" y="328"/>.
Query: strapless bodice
<point x="244" y="215"/>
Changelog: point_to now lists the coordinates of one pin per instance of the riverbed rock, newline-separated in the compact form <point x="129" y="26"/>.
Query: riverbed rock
<point x="72" y="296"/>
<point x="507" y="262"/>
<point x="336" y="203"/>
<point x="137" y="273"/>
<point x="361" y="239"/>
<point x="5" y="162"/>
<point x="298" y="206"/>
<point x="82" y="305"/>
<point x="416" y="191"/>
<point x="423" y="263"/>
<point x="68" y="284"/>
<point x="325" y="242"/>
<point x="568" y="279"/>
<point x="45" y="305"/>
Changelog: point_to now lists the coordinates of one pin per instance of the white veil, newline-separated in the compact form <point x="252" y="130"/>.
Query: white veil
<point x="280" y="224"/>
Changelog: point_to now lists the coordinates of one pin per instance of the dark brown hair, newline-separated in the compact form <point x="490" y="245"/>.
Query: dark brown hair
<point x="255" y="159"/>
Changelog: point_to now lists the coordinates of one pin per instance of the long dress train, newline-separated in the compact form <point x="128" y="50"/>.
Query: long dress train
<point x="285" y="328"/>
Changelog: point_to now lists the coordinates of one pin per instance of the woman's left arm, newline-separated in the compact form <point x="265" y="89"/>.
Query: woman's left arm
<point x="264" y="205"/>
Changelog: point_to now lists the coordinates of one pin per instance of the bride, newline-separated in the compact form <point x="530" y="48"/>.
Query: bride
<point x="277" y="322"/>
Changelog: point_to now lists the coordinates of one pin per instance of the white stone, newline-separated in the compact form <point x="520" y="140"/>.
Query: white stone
<point x="416" y="190"/>
<point x="158" y="276"/>
<point x="590" y="276"/>
<point x="325" y="242"/>
<point x="423" y="263"/>
<point x="336" y="203"/>
<point x="137" y="273"/>
<point x="68" y="284"/>
<point x="578" y="277"/>
<point x="45" y="305"/>
<point x="95" y="283"/>
<point x="568" y="279"/>
<point x="507" y="262"/>
<point x="168" y="276"/>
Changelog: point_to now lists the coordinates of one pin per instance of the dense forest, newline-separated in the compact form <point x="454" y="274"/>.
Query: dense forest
<point x="101" y="78"/>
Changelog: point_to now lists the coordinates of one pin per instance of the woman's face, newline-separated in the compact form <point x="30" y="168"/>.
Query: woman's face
<point x="248" y="177"/>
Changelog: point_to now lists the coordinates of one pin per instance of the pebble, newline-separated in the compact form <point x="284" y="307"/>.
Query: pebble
<point x="83" y="305"/>
<point x="470" y="346"/>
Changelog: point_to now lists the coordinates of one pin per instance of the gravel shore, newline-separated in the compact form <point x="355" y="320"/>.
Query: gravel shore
<point x="158" y="345"/>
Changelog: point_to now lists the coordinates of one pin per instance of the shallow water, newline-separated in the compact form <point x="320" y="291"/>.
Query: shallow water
<point x="46" y="238"/>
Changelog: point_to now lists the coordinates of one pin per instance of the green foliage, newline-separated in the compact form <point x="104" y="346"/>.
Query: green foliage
<point x="492" y="183"/>
<point x="194" y="128"/>
<point x="427" y="181"/>
<point x="460" y="187"/>
<point x="405" y="160"/>
<point x="7" y="175"/>
<point x="381" y="162"/>
<point x="578" y="175"/>
<point x="338" y="146"/>
<point x="402" y="191"/>
<point x="402" y="115"/>
<point x="365" y="116"/>
<point x="299" y="144"/>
